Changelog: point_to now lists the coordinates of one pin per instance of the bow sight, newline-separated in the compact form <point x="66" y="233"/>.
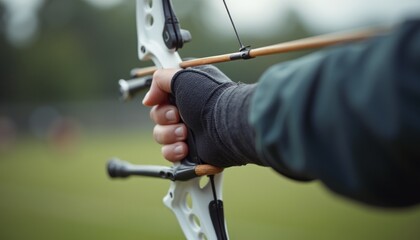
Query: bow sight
<point x="173" y="36"/>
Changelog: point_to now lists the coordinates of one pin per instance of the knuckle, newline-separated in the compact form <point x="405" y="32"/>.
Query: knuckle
<point x="167" y="153"/>
<point x="174" y="152"/>
<point x="157" y="75"/>
<point x="152" y="113"/>
<point x="157" y="134"/>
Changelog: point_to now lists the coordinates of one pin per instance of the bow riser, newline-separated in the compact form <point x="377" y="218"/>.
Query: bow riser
<point x="150" y="25"/>
<point x="195" y="214"/>
<point x="196" y="221"/>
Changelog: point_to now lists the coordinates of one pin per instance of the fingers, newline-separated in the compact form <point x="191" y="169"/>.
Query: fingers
<point x="175" y="152"/>
<point x="161" y="86"/>
<point x="172" y="139"/>
<point x="169" y="134"/>
<point x="168" y="131"/>
<point x="164" y="114"/>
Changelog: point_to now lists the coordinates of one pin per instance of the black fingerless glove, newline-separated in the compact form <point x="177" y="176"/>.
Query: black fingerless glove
<point x="215" y="109"/>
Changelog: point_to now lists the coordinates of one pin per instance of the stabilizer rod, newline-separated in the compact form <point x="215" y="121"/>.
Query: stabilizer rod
<point x="182" y="172"/>
<point x="121" y="169"/>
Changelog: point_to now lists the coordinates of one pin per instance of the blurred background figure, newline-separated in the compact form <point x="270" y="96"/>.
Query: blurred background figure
<point x="63" y="133"/>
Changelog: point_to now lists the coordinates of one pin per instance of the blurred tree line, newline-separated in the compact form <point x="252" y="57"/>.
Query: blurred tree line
<point x="80" y="51"/>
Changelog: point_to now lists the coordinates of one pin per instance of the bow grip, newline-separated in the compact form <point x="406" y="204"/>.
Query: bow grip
<point x="192" y="158"/>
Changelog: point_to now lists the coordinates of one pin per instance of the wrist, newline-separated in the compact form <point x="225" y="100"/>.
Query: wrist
<point x="231" y="127"/>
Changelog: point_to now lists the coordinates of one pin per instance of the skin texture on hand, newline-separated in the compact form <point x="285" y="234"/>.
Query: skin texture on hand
<point x="214" y="108"/>
<point x="161" y="87"/>
<point x="168" y="131"/>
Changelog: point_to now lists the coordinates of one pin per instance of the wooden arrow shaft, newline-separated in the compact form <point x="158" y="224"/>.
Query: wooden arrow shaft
<point x="317" y="42"/>
<point x="296" y="45"/>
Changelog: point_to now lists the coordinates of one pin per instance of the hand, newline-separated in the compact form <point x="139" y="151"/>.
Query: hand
<point x="214" y="109"/>
<point x="168" y="130"/>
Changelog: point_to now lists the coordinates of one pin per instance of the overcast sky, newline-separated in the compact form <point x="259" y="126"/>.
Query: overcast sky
<point x="252" y="17"/>
<point x="263" y="16"/>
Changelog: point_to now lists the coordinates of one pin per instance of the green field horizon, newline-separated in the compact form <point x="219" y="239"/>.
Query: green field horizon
<point x="63" y="192"/>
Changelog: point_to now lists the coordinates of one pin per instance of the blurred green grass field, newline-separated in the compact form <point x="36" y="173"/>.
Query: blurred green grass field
<point x="54" y="193"/>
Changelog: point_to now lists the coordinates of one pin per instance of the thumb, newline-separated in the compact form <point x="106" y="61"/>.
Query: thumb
<point x="161" y="87"/>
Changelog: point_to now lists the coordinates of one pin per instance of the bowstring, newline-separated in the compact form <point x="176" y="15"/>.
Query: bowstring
<point x="242" y="47"/>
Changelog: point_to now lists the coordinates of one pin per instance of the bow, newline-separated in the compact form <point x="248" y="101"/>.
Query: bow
<point x="159" y="38"/>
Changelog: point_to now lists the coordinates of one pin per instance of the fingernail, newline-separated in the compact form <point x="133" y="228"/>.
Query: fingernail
<point x="178" y="149"/>
<point x="170" y="115"/>
<point x="179" y="132"/>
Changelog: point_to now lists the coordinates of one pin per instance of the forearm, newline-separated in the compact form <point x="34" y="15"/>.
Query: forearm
<point x="347" y="116"/>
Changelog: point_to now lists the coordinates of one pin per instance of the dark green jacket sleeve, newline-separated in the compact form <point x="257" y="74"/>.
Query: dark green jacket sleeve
<point x="348" y="116"/>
